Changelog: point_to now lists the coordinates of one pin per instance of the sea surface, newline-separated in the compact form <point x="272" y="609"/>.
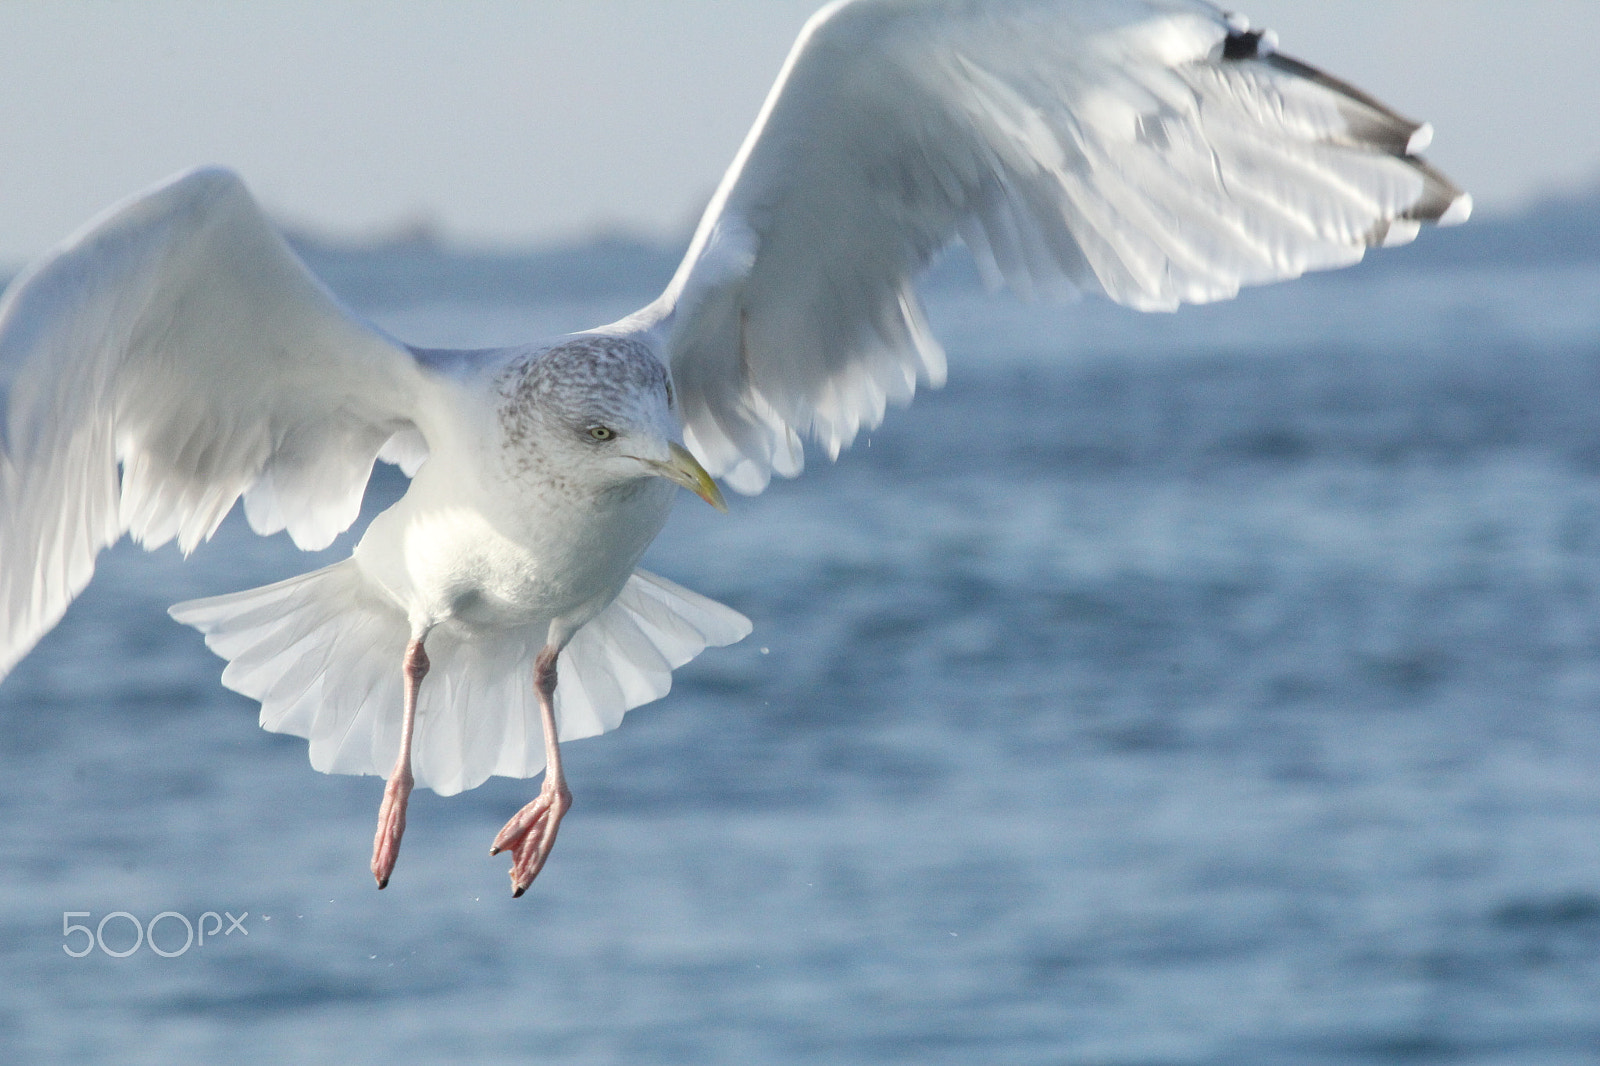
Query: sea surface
<point x="1214" y="688"/>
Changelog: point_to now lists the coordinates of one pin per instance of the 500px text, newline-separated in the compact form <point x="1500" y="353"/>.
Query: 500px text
<point x="169" y="921"/>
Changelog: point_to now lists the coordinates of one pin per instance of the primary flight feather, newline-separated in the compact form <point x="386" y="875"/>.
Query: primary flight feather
<point x="175" y="355"/>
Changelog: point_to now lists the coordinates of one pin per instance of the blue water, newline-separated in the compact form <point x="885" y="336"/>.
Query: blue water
<point x="1219" y="688"/>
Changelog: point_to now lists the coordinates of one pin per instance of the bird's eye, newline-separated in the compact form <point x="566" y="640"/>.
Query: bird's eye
<point x="602" y="432"/>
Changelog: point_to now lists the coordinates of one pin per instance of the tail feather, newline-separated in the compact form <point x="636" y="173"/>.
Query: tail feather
<point x="322" y="653"/>
<point x="625" y="656"/>
<point x="360" y="735"/>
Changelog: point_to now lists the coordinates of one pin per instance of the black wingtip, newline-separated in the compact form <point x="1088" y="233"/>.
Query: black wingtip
<point x="1242" y="45"/>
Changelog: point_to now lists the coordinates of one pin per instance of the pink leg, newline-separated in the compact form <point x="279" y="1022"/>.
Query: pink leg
<point x="392" y="814"/>
<point x="531" y="833"/>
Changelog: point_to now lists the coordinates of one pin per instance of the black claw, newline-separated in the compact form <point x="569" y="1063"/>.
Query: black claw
<point x="493" y="851"/>
<point x="516" y="893"/>
<point x="383" y="884"/>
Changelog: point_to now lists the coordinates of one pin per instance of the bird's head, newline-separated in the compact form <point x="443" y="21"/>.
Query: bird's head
<point x="606" y="403"/>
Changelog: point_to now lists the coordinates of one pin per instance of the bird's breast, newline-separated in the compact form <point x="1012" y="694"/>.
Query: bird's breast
<point x="508" y="562"/>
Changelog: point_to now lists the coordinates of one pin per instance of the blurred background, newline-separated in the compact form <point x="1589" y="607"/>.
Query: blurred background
<point x="1216" y="687"/>
<point x="504" y="123"/>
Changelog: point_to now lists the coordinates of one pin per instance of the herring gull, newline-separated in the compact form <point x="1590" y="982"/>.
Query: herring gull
<point x="174" y="355"/>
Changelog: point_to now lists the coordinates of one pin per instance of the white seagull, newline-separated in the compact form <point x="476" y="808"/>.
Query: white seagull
<point x="174" y="356"/>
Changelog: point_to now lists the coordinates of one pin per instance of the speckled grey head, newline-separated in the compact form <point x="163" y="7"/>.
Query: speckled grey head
<point x="587" y="382"/>
<point x="594" y="414"/>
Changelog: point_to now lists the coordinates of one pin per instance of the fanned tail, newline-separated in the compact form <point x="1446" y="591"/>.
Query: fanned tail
<point x="624" y="657"/>
<point x="322" y="653"/>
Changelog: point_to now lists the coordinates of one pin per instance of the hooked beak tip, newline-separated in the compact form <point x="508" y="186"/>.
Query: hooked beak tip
<point x="684" y="469"/>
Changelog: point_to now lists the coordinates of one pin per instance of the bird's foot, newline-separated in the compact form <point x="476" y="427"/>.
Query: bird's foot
<point x="391" y="827"/>
<point x="531" y="834"/>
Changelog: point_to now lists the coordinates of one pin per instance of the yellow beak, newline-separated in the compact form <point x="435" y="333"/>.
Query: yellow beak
<point x="684" y="469"/>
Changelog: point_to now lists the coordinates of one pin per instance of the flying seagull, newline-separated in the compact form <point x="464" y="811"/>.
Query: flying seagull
<point x="174" y="355"/>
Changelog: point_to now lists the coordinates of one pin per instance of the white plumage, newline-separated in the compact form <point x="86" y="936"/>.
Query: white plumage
<point x="303" y="646"/>
<point x="175" y="356"/>
<point x="1103" y="146"/>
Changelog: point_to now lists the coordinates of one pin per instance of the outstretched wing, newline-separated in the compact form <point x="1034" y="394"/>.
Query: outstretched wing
<point x="1153" y="151"/>
<point x="171" y="357"/>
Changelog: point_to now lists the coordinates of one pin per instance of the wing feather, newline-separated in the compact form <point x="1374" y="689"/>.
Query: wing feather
<point x="1153" y="151"/>
<point x="171" y="357"/>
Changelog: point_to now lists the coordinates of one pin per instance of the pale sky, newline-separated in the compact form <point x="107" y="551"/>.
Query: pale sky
<point x="509" y="122"/>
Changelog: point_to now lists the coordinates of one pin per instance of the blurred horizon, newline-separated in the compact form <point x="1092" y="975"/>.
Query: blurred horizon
<point x="499" y="125"/>
<point x="1562" y="227"/>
